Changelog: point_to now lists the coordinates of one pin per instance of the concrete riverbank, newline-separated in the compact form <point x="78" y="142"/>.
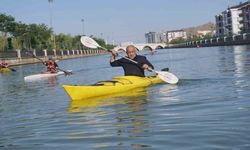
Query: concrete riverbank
<point x="21" y="58"/>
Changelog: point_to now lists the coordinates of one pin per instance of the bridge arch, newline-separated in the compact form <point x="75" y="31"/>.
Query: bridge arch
<point x="159" y="47"/>
<point x="147" y="48"/>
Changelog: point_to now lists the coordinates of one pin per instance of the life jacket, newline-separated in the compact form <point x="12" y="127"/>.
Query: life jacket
<point x="51" y="66"/>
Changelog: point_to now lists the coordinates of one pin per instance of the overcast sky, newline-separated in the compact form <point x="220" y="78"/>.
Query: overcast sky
<point x="121" y="20"/>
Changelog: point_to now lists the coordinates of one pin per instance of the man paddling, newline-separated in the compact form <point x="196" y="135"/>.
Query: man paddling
<point x="131" y="68"/>
<point x="52" y="66"/>
<point x="3" y="64"/>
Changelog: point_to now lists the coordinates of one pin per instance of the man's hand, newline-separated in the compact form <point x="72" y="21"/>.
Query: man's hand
<point x="145" y="66"/>
<point x="114" y="54"/>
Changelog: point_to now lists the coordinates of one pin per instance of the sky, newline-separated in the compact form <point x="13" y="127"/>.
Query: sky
<point x="118" y="20"/>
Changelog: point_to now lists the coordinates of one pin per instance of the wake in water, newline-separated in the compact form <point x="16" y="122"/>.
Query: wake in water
<point x="201" y="81"/>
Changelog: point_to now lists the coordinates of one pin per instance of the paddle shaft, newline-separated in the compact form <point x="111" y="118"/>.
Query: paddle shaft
<point x="36" y="57"/>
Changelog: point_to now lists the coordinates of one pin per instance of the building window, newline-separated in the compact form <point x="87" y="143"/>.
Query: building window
<point x="220" y="18"/>
<point x="247" y="16"/>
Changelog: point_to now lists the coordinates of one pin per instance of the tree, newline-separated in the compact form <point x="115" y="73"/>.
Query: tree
<point x="63" y="42"/>
<point x="3" y="43"/>
<point x="102" y="43"/>
<point x="7" y="25"/>
<point x="16" y="42"/>
<point x="18" y="35"/>
<point x="176" y="41"/>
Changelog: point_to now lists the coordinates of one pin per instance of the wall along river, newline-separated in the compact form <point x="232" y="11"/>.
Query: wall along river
<point x="208" y="109"/>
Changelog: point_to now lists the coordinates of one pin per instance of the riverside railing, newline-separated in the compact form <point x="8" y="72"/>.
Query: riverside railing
<point x="19" y="54"/>
<point x="241" y="39"/>
<point x="19" y="57"/>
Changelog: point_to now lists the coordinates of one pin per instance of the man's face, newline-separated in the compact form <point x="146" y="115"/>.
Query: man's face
<point x="131" y="52"/>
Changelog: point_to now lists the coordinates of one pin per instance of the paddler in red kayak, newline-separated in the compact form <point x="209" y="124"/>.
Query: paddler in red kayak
<point x="3" y="64"/>
<point x="52" y="66"/>
<point x="131" y="68"/>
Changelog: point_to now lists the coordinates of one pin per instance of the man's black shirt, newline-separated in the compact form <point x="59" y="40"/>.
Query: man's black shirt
<point x="130" y="68"/>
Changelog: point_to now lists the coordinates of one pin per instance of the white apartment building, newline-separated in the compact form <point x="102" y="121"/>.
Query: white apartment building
<point x="231" y="21"/>
<point x="246" y="17"/>
<point x="176" y="34"/>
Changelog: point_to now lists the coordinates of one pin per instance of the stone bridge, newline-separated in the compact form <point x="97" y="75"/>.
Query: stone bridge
<point x="142" y="46"/>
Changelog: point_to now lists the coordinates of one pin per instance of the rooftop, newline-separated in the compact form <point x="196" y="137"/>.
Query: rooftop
<point x="240" y="5"/>
<point x="176" y="31"/>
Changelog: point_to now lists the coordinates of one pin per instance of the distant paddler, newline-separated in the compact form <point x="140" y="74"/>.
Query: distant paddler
<point x="52" y="66"/>
<point x="4" y="67"/>
<point x="3" y="64"/>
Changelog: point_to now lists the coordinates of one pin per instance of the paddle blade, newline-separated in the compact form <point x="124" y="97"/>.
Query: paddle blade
<point x="167" y="77"/>
<point x="89" y="42"/>
<point x="14" y="70"/>
<point x="67" y="73"/>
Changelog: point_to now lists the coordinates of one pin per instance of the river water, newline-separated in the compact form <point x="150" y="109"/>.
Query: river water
<point x="208" y="109"/>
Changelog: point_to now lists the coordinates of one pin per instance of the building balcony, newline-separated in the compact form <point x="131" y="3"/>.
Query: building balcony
<point x="240" y="19"/>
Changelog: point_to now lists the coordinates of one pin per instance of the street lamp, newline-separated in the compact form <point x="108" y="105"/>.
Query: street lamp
<point x="50" y="11"/>
<point x="82" y="26"/>
<point x="52" y="36"/>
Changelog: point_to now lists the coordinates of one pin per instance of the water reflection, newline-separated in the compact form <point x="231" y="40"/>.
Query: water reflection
<point x="234" y="59"/>
<point x="167" y="88"/>
<point x="4" y="73"/>
<point x="235" y="62"/>
<point x="122" y="115"/>
<point x="93" y="103"/>
<point x="47" y="82"/>
<point x="241" y="60"/>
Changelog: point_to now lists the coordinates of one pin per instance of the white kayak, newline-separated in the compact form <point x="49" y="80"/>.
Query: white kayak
<point x="43" y="75"/>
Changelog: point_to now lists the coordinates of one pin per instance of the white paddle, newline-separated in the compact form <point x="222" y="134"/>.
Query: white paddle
<point x="164" y="75"/>
<point x="90" y="43"/>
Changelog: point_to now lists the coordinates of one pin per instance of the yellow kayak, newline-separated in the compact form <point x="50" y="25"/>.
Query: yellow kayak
<point x="4" y="70"/>
<point x="116" y="85"/>
<point x="107" y="100"/>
